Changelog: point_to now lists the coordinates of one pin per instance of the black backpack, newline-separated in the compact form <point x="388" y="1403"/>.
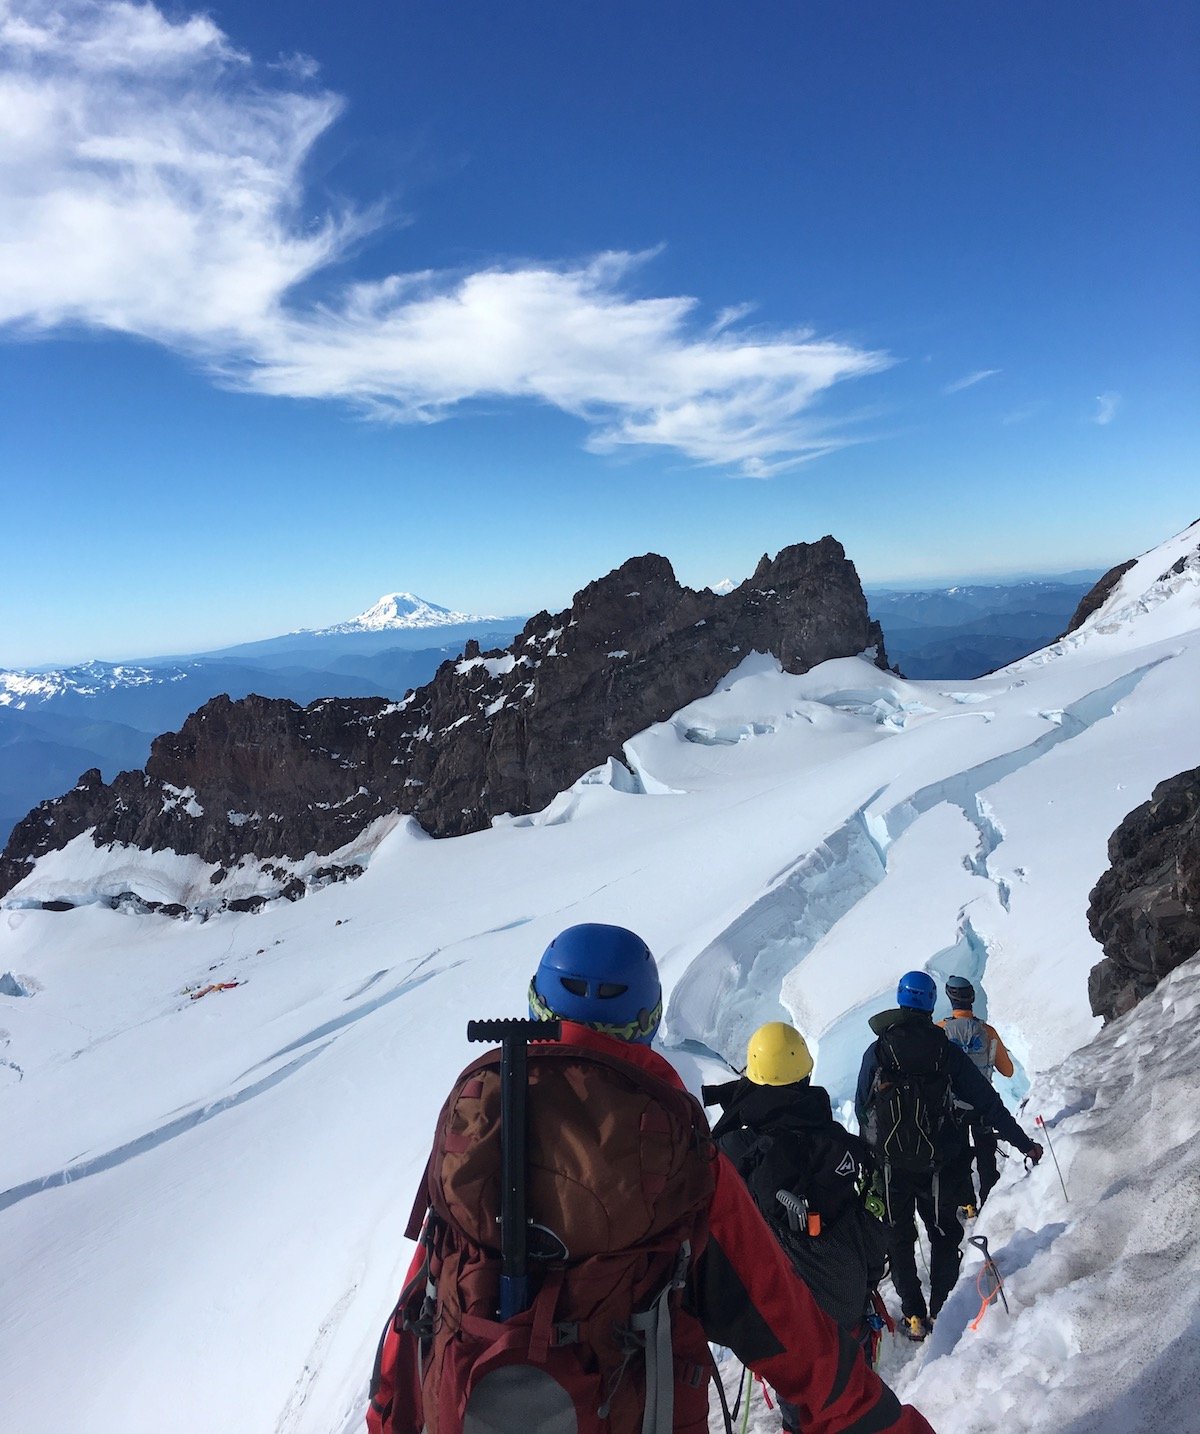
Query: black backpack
<point x="910" y="1104"/>
<point x="825" y="1168"/>
<point x="839" y="1249"/>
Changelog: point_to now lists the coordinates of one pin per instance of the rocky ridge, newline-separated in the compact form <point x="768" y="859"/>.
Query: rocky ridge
<point x="264" y="779"/>
<point x="1095" y="598"/>
<point x="1145" y="910"/>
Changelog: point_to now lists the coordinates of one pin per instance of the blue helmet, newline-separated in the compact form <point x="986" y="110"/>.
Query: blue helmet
<point x="917" y="991"/>
<point x="601" y="976"/>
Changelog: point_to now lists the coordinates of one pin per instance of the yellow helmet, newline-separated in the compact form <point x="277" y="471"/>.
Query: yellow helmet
<point x="777" y="1055"/>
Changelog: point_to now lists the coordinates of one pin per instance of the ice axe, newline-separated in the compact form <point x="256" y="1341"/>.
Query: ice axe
<point x="514" y="1036"/>
<point x="991" y="1268"/>
<point x="801" y="1220"/>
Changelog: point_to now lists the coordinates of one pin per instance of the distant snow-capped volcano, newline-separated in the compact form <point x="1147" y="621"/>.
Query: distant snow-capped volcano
<point x="403" y="610"/>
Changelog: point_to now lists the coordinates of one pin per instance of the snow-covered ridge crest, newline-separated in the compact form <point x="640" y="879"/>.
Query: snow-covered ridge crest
<point x="1157" y="598"/>
<point x="18" y="687"/>
<point x="402" y="610"/>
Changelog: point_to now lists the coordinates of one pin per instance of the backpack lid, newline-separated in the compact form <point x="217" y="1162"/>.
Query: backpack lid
<point x="913" y="1048"/>
<point x="615" y="1154"/>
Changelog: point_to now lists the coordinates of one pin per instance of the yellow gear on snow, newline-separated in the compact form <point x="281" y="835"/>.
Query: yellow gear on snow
<point x="777" y="1055"/>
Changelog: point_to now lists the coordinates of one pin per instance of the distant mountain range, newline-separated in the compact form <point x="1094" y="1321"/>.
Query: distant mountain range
<point x="57" y="723"/>
<point x="970" y="629"/>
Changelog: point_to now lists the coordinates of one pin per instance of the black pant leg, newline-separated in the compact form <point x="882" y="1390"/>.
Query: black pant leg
<point x="945" y="1231"/>
<point x="985" y="1141"/>
<point x="902" y="1239"/>
<point x="966" y="1192"/>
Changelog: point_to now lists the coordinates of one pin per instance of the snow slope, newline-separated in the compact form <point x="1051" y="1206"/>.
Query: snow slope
<point x="1104" y="1286"/>
<point x="1102" y="1278"/>
<point x="201" y="1201"/>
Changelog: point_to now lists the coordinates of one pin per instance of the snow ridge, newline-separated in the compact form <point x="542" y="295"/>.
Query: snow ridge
<point x="19" y="688"/>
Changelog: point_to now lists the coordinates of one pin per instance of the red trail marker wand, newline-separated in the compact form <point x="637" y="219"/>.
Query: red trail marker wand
<point x="1041" y="1124"/>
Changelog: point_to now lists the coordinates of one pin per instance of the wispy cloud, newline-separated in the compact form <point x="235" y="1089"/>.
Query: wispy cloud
<point x="971" y="380"/>
<point x="1025" y="412"/>
<point x="1106" y="408"/>
<point x="151" y="183"/>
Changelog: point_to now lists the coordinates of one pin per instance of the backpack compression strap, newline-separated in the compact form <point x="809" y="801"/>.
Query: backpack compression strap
<point x="655" y="1325"/>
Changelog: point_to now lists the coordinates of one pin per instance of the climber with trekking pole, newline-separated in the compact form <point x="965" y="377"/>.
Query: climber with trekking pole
<point x="908" y="1086"/>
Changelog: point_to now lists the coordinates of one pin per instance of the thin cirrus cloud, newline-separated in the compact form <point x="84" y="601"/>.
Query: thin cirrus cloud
<point x="151" y="183"/>
<point x="1106" y="408"/>
<point x="971" y="380"/>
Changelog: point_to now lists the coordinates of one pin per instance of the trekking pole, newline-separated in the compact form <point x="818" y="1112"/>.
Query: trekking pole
<point x="514" y="1036"/>
<point x="1041" y="1125"/>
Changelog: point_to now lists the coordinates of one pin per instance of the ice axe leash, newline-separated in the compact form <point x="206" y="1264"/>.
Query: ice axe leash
<point x="990" y="1268"/>
<point x="1041" y="1125"/>
<point x="514" y="1036"/>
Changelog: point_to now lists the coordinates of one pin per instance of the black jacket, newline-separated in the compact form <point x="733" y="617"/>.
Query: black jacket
<point x="966" y="1081"/>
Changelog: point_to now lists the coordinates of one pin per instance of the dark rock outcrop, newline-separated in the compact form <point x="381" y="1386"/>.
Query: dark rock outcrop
<point x="495" y="733"/>
<point x="1095" y="599"/>
<point x="1145" y="910"/>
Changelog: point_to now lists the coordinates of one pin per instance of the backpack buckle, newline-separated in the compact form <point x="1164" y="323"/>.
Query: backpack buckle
<point x="565" y="1332"/>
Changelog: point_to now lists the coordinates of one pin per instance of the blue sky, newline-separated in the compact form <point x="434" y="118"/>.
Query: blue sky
<point x="304" y="303"/>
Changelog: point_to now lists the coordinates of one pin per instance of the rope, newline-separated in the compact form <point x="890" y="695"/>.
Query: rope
<point x="749" y="1396"/>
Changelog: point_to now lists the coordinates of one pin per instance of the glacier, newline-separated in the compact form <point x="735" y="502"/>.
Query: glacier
<point x="209" y="1196"/>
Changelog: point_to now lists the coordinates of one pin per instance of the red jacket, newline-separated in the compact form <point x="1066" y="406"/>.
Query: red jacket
<point x="748" y="1298"/>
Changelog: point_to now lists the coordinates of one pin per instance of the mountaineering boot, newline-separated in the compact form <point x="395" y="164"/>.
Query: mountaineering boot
<point x="916" y="1328"/>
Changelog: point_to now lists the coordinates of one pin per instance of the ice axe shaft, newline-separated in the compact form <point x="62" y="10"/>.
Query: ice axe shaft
<point x="514" y="1036"/>
<point x="1041" y="1125"/>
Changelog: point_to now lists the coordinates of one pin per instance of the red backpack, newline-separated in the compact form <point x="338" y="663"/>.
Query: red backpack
<point x="619" y="1177"/>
